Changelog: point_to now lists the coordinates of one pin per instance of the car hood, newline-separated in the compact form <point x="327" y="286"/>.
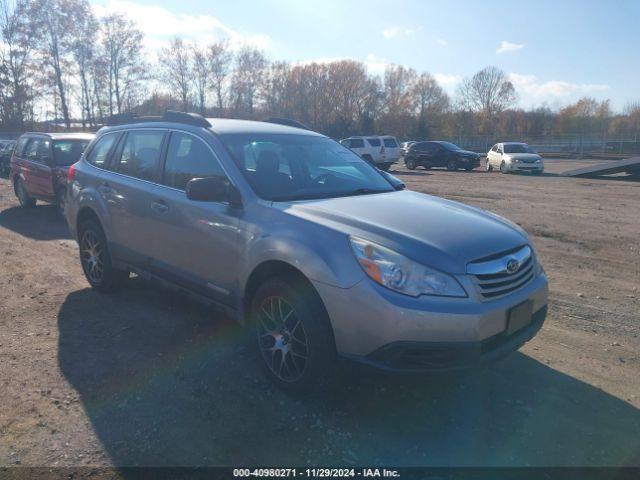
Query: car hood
<point x="433" y="231"/>
<point x="531" y="157"/>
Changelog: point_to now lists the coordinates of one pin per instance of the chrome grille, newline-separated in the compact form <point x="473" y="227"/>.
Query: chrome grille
<point x="494" y="278"/>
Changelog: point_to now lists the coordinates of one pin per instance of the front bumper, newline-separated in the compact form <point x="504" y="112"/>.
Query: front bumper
<point x="395" y="332"/>
<point x="526" y="167"/>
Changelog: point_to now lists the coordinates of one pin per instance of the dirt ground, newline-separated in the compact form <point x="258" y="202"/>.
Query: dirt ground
<point x="146" y="377"/>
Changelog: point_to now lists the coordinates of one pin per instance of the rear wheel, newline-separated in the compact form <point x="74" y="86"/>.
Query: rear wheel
<point x="503" y="167"/>
<point x="23" y="196"/>
<point x="426" y="167"/>
<point x="468" y="168"/>
<point x="452" y="165"/>
<point x="410" y="163"/>
<point x="294" y="335"/>
<point x="95" y="259"/>
<point x="384" y="166"/>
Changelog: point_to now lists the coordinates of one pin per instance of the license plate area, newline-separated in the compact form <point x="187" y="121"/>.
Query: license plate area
<point x="519" y="317"/>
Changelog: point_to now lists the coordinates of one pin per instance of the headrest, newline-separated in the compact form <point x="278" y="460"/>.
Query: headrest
<point x="267" y="162"/>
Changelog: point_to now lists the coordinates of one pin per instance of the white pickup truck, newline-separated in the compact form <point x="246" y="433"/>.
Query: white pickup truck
<point x="383" y="151"/>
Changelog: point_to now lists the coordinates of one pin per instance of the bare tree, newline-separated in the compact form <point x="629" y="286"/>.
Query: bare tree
<point x="83" y="49"/>
<point x="430" y="102"/>
<point x="219" y="59"/>
<point x="489" y="92"/>
<point x="175" y="64"/>
<point x="201" y="79"/>
<point x="55" y="26"/>
<point x="122" y="50"/>
<point x="16" y="61"/>
<point x="248" y="76"/>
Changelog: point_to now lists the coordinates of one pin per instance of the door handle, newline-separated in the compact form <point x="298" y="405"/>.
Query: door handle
<point x="160" y="206"/>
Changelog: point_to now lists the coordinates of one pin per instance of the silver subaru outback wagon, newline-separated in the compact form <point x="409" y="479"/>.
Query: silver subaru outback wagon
<point x="320" y="253"/>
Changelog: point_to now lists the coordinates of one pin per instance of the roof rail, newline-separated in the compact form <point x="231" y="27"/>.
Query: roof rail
<point x="169" y="116"/>
<point x="287" y="122"/>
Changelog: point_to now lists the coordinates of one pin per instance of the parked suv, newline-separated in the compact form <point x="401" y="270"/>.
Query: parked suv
<point x="39" y="165"/>
<point x="6" y="150"/>
<point x="381" y="151"/>
<point x="304" y="242"/>
<point x="440" y="154"/>
<point x="514" y="157"/>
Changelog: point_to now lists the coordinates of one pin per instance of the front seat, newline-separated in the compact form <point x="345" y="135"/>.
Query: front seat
<point x="269" y="180"/>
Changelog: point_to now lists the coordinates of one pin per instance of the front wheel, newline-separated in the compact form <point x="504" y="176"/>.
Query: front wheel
<point x="294" y="335"/>
<point x="96" y="260"/>
<point x="452" y="165"/>
<point x="25" y="200"/>
<point x="503" y="167"/>
<point x="410" y="163"/>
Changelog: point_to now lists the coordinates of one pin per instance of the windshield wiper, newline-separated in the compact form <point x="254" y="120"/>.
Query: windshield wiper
<point x="362" y="191"/>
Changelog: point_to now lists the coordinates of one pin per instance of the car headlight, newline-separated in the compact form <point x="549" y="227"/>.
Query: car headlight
<point x="400" y="274"/>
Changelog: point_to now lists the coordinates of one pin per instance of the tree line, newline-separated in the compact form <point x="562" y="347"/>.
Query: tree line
<point x="59" y="62"/>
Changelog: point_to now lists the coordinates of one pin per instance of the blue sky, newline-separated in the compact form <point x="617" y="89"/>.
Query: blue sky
<point x="554" y="51"/>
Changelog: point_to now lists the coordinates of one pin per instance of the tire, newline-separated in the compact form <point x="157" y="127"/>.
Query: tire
<point x="96" y="260"/>
<point x="452" y="165"/>
<point x="297" y="354"/>
<point x="488" y="167"/>
<point x="384" y="167"/>
<point x="410" y="163"/>
<point x="426" y="167"/>
<point x="23" y="196"/>
<point x="61" y="200"/>
<point x="503" y="167"/>
<point x="468" y="168"/>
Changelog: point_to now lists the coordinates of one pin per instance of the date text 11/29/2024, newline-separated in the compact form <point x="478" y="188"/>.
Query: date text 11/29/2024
<point x="315" y="473"/>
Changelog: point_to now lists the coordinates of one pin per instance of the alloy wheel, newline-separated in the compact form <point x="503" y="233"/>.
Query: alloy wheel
<point x="282" y="339"/>
<point x="91" y="252"/>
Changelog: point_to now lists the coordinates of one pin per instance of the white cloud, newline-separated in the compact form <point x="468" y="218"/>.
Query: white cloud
<point x="393" y="32"/>
<point x="441" y="41"/>
<point x="160" y="25"/>
<point x="446" y="80"/>
<point x="531" y="86"/>
<point x="506" y="46"/>
<point x="376" y="65"/>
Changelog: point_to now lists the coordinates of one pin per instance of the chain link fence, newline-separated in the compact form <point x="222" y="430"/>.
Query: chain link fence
<point x="560" y="145"/>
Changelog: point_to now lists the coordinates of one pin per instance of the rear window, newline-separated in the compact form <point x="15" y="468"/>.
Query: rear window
<point x="390" y="143"/>
<point x="68" y="152"/>
<point x="374" y="142"/>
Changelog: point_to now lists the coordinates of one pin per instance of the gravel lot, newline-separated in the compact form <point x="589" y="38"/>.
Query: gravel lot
<point x="146" y="377"/>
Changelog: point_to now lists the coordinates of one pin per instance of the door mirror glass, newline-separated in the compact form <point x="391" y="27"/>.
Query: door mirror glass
<point x="212" y="189"/>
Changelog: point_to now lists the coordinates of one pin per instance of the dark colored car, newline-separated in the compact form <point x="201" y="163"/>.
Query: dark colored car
<point x="40" y="163"/>
<point x="440" y="154"/>
<point x="6" y="150"/>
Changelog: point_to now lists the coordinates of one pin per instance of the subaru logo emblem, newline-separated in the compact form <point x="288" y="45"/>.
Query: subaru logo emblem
<point x="513" y="265"/>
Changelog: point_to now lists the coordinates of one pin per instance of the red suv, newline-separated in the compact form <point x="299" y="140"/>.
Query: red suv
<point x="39" y="165"/>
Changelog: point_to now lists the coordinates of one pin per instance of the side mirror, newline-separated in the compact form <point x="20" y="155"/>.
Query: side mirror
<point x="213" y="189"/>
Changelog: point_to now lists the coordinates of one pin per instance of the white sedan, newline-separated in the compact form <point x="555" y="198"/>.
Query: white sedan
<point x="514" y="157"/>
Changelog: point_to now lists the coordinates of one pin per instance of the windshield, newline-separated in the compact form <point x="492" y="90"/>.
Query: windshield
<point x="450" y="146"/>
<point x="518" y="148"/>
<point x="283" y="167"/>
<point x="67" y="152"/>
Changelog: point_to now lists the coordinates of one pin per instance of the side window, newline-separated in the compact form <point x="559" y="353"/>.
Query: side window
<point x="100" y="151"/>
<point x="356" y="143"/>
<point x="19" y="152"/>
<point x="374" y="142"/>
<point x="37" y="150"/>
<point x="141" y="154"/>
<point x="500" y="149"/>
<point x="189" y="157"/>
